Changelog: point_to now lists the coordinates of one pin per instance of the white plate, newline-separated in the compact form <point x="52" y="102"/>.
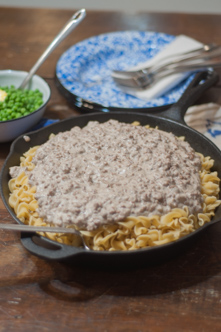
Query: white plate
<point x="83" y="72"/>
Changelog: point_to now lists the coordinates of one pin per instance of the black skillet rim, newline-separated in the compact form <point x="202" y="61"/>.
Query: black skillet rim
<point x="79" y="251"/>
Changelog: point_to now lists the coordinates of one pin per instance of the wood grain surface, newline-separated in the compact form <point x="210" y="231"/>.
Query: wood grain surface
<point x="181" y="294"/>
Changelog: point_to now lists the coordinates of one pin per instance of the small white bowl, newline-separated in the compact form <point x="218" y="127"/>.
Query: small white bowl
<point x="11" y="129"/>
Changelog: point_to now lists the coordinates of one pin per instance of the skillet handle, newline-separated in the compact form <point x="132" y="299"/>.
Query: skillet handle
<point x="200" y="83"/>
<point x="48" y="249"/>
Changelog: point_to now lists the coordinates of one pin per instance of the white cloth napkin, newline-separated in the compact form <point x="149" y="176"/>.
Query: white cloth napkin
<point x="181" y="43"/>
<point x="206" y="119"/>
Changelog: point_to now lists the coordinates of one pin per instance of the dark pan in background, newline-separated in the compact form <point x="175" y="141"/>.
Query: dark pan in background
<point x="171" y="120"/>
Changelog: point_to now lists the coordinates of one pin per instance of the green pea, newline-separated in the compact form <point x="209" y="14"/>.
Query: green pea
<point x="19" y="103"/>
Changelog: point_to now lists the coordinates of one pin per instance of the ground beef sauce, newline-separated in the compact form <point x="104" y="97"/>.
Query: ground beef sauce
<point x="102" y="173"/>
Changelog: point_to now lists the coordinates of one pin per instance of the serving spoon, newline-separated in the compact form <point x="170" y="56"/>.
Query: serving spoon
<point x="69" y="26"/>
<point x="28" y="229"/>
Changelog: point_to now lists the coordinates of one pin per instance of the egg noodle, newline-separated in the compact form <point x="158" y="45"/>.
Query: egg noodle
<point x="129" y="234"/>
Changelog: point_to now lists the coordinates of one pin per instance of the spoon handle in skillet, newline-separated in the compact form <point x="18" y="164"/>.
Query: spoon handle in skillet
<point x="28" y="228"/>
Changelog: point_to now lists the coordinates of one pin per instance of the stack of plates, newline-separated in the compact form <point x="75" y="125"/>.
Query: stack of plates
<point x="83" y="72"/>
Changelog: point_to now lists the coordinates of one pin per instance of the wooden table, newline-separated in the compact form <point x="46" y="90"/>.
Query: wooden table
<point x="182" y="294"/>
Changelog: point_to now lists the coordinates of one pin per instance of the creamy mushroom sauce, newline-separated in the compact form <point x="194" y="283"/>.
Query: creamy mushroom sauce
<point x="102" y="173"/>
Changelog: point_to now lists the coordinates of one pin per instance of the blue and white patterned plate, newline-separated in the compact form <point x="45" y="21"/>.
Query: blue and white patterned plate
<point x="83" y="72"/>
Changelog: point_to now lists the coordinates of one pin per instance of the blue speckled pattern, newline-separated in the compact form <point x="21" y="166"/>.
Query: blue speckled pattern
<point x="85" y="69"/>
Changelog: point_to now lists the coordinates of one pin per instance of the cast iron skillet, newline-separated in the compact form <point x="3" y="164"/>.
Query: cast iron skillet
<point x="171" y="120"/>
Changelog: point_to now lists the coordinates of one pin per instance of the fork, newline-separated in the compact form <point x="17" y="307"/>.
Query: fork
<point x="188" y="61"/>
<point x="146" y="80"/>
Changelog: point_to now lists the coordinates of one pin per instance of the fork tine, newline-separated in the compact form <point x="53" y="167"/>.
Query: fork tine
<point x="135" y="82"/>
<point x="129" y="82"/>
<point x="126" y="73"/>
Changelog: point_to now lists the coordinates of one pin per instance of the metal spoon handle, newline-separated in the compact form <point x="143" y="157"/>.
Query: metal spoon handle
<point x="28" y="228"/>
<point x="69" y="26"/>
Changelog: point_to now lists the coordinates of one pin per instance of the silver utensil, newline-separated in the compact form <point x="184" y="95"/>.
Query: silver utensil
<point x="172" y="58"/>
<point x="28" y="229"/>
<point x="146" y="80"/>
<point x="146" y="76"/>
<point x="69" y="26"/>
<point x="143" y="81"/>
